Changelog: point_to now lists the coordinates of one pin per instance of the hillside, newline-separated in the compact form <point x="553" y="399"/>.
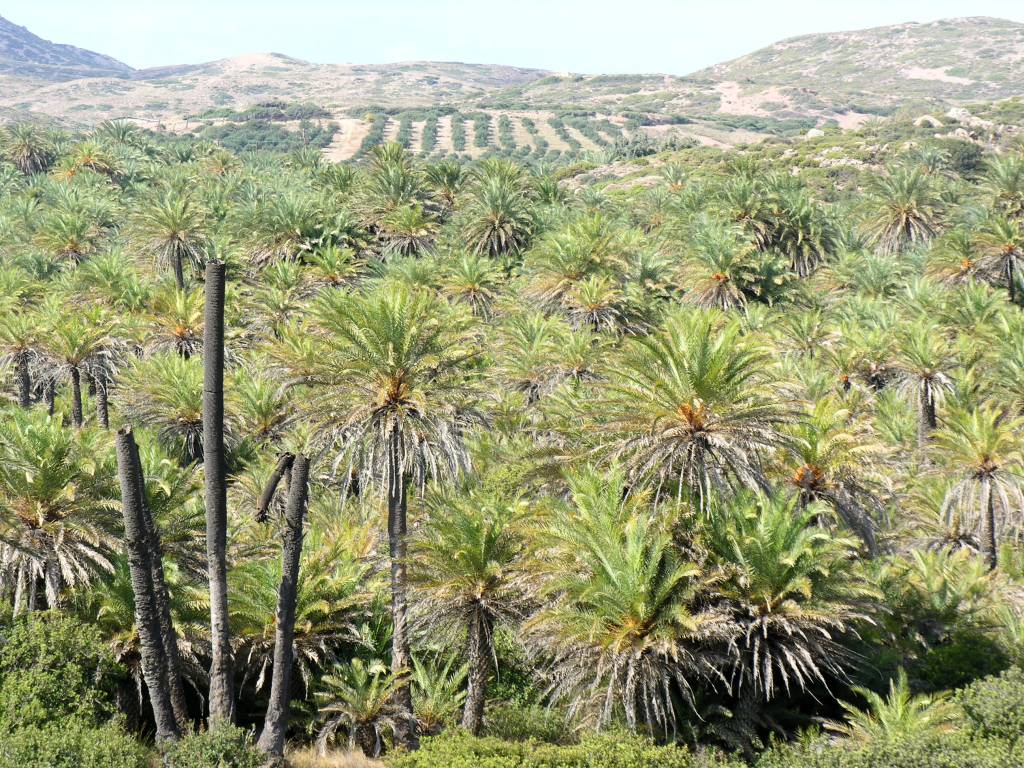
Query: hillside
<point x="27" y="55"/>
<point x="442" y="108"/>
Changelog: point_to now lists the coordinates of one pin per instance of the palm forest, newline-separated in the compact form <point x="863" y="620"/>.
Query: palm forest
<point x="417" y="461"/>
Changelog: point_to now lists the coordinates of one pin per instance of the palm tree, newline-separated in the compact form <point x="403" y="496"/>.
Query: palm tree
<point x="719" y="268"/>
<point x="19" y="336"/>
<point x="447" y="179"/>
<point x="1000" y="244"/>
<point x="176" y="323"/>
<point x="164" y="393"/>
<point x="222" y="696"/>
<point x="687" y="405"/>
<point x="76" y="344"/>
<point x="792" y="591"/>
<point x="464" y="575"/>
<point x="27" y="147"/>
<point x="902" y="209"/>
<point x="56" y="491"/>
<point x="983" y="448"/>
<point x="391" y="392"/>
<point x="472" y="280"/>
<point x="835" y="462"/>
<point x="619" y="611"/>
<point x="898" y="715"/>
<point x="70" y="235"/>
<point x="1004" y="182"/>
<point x="360" y="698"/>
<point x="923" y="363"/>
<point x="497" y="218"/>
<point x="172" y="228"/>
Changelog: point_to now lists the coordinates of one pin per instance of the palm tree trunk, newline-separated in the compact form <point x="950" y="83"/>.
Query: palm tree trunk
<point x="162" y="600"/>
<point x="53" y="583"/>
<point x="989" y="542"/>
<point x="284" y="464"/>
<point x="50" y="396"/>
<point x="479" y="670"/>
<point x="926" y="418"/>
<point x="154" y="660"/>
<point x="222" y="699"/>
<point x="76" y="396"/>
<point x="102" y="406"/>
<point x="179" y="270"/>
<point x="271" y="740"/>
<point x="24" y="380"/>
<point x="401" y="655"/>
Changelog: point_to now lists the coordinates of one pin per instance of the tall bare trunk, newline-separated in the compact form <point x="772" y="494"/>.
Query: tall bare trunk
<point x="926" y="417"/>
<point x="179" y="270"/>
<point x="222" y="699"/>
<point x="479" y="670"/>
<point x="401" y="655"/>
<point x="276" y="724"/>
<point x="76" y="396"/>
<point x="162" y="600"/>
<point x="24" y="380"/>
<point x="147" y="622"/>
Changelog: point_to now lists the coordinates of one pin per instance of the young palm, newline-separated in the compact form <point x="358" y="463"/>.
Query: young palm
<point x="176" y="323"/>
<point x="619" y="616"/>
<point x="447" y="179"/>
<point x="983" y="448"/>
<point x="899" y="715"/>
<point x="792" y="590"/>
<point x="719" y="268"/>
<point x="58" y="523"/>
<point x="360" y="698"/>
<point x="1004" y="182"/>
<point x="464" y="563"/>
<point x="472" y="280"/>
<point x="172" y="228"/>
<point x="391" y="393"/>
<point x="688" y="405"/>
<point x="902" y="210"/>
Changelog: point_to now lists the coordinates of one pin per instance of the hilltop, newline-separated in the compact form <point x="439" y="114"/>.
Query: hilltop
<point x="27" y="55"/>
<point x="836" y="79"/>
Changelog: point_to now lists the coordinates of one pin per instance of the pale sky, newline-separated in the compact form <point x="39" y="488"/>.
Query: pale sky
<point x="611" y="36"/>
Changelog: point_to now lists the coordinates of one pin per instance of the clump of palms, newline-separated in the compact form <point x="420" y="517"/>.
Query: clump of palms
<point x="359" y="698"/>
<point x="902" y="210"/>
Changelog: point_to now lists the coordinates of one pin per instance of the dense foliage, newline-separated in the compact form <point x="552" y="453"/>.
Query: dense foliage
<point x="723" y="466"/>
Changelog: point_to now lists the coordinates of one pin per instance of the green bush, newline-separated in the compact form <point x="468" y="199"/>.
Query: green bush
<point x="944" y="751"/>
<point x="968" y="656"/>
<point x="995" y="706"/>
<point x="526" y="723"/>
<point x="610" y="750"/>
<point x="71" y="744"/>
<point x="222" y="747"/>
<point x="53" y="668"/>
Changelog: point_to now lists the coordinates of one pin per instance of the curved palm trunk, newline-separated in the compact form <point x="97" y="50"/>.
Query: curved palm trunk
<point x="480" y="654"/>
<point x="76" y="396"/>
<point x="162" y="599"/>
<point x="284" y="464"/>
<point x="401" y="655"/>
<point x="24" y="380"/>
<point x="271" y="740"/>
<point x="989" y="541"/>
<point x="222" y="699"/>
<point x="154" y="659"/>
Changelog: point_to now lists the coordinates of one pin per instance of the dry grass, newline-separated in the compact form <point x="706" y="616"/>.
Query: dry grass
<point x="308" y="758"/>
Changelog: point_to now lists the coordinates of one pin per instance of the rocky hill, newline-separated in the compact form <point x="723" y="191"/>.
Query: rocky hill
<point x="24" y="54"/>
<point x="843" y="79"/>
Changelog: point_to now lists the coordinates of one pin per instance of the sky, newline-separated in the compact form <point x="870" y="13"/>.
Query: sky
<point x="606" y="36"/>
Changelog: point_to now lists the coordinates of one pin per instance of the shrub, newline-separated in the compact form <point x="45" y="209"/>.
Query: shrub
<point x="942" y="751"/>
<point x="968" y="656"/>
<point x="609" y="750"/>
<point x="53" y="668"/>
<point x="526" y="723"/>
<point x="71" y="744"/>
<point x="995" y="706"/>
<point x="222" y="747"/>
